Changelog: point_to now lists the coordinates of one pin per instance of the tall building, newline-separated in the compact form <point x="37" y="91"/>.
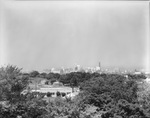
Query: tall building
<point x="62" y="70"/>
<point x="99" y="64"/>
<point x="98" y="69"/>
<point x="77" y="68"/>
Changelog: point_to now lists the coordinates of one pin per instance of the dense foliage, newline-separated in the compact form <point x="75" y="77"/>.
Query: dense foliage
<point x="12" y="83"/>
<point x="101" y="96"/>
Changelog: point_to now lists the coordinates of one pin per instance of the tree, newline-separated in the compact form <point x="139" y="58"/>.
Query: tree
<point x="136" y="77"/>
<point x="47" y="82"/>
<point x="101" y="91"/>
<point x="63" y="79"/>
<point x="12" y="83"/>
<point x="53" y="80"/>
<point x="43" y="75"/>
<point x="49" y="76"/>
<point x="56" y="75"/>
<point x="34" y="74"/>
<point x="33" y="108"/>
<point x="124" y="109"/>
<point x="74" y="82"/>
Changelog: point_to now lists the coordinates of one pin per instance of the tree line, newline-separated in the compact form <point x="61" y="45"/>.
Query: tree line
<point x="101" y="96"/>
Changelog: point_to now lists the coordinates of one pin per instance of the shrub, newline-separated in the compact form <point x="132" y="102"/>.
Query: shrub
<point x="58" y="94"/>
<point x="63" y="94"/>
<point x="49" y="94"/>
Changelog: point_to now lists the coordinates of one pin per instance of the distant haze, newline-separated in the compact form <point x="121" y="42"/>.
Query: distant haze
<point x="40" y="35"/>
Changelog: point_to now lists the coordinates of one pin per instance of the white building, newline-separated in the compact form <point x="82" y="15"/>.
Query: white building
<point x="56" y="87"/>
<point x="53" y="70"/>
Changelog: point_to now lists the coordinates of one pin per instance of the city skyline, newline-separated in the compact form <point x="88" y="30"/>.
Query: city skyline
<point x="52" y="34"/>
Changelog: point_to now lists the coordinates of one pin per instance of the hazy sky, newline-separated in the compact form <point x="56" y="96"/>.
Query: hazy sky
<point x="41" y="35"/>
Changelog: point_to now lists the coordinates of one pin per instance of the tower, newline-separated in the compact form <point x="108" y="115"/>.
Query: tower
<point x="100" y="66"/>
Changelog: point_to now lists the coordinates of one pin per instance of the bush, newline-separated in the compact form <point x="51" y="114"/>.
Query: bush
<point x="63" y="94"/>
<point x="49" y="94"/>
<point x="58" y="94"/>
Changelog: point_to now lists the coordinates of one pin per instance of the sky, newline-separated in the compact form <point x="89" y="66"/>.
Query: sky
<point x="38" y="35"/>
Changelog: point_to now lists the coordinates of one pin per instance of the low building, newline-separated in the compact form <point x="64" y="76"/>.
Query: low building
<point x="137" y="73"/>
<point x="54" y="88"/>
